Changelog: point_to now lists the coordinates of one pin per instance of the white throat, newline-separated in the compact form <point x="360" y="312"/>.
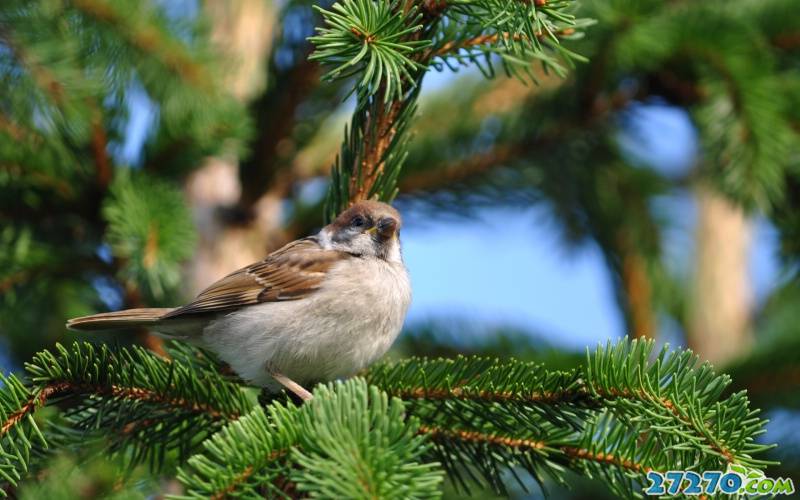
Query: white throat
<point x="393" y="255"/>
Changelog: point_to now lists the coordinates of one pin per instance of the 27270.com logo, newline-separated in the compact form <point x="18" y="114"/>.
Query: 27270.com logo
<point x="737" y="480"/>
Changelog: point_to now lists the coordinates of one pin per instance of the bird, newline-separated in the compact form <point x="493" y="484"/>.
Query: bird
<point x="320" y="308"/>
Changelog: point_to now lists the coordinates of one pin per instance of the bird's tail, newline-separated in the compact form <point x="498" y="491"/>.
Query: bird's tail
<point x="129" y="318"/>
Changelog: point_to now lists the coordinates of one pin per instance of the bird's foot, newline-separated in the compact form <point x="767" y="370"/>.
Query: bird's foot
<point x="292" y="386"/>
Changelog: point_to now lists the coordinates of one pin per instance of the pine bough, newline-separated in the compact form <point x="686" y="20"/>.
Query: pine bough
<point x="395" y="433"/>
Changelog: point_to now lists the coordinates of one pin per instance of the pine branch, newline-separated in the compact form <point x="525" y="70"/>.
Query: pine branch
<point x="143" y="405"/>
<point x="618" y="417"/>
<point x="19" y="432"/>
<point x="149" y="39"/>
<point x="150" y="230"/>
<point x="453" y="47"/>
<point x="45" y="80"/>
<point x="741" y="123"/>
<point x="34" y="401"/>
<point x="350" y="441"/>
<point x="379" y="39"/>
<point x="247" y="456"/>
<point x="373" y="151"/>
<point x="621" y="411"/>
<point x="99" y="142"/>
<point x="450" y="174"/>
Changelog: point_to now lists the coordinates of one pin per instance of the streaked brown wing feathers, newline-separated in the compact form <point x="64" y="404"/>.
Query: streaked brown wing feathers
<point x="290" y="273"/>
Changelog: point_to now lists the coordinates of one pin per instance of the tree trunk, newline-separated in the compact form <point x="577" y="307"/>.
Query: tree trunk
<point x="639" y="296"/>
<point x="721" y="301"/>
<point x="243" y="31"/>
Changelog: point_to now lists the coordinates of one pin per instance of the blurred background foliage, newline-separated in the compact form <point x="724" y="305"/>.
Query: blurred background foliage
<point x="149" y="148"/>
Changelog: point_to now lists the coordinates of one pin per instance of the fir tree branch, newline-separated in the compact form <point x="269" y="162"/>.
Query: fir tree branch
<point x="437" y="7"/>
<point x="144" y="395"/>
<point x="41" y="75"/>
<point x="453" y="46"/>
<point x="99" y="145"/>
<point x="10" y="128"/>
<point x="621" y="410"/>
<point x="146" y="405"/>
<point x="490" y="396"/>
<point x="466" y="169"/>
<point x="373" y="151"/>
<point x="61" y="389"/>
<point x="242" y="478"/>
<point x="787" y="41"/>
<point x="37" y="399"/>
<point x="603" y="458"/>
<point x="444" y="436"/>
<point x="326" y="447"/>
<point x="150" y="40"/>
<point x="373" y="161"/>
<point x="572" y="395"/>
<point x="291" y="88"/>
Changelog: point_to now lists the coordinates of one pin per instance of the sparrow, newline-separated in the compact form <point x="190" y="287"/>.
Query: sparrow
<point x="320" y="308"/>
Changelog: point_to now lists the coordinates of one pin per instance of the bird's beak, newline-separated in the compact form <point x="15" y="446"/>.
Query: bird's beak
<point x="385" y="228"/>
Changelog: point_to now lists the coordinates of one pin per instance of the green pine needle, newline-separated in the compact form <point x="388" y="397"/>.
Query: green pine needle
<point x="374" y="40"/>
<point x="150" y="227"/>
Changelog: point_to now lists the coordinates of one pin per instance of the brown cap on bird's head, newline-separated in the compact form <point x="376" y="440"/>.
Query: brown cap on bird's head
<point x="374" y="216"/>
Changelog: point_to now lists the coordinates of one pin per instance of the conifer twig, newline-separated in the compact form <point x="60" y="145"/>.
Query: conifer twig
<point x="40" y="74"/>
<point x="148" y="39"/>
<point x="36" y="400"/>
<point x="573" y="452"/>
<point x="452" y="47"/>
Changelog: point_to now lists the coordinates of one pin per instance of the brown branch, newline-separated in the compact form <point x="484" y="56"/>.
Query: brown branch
<point x="490" y="39"/>
<point x="245" y="475"/>
<point x="240" y="478"/>
<point x="603" y="458"/>
<point x="99" y="144"/>
<point x="561" y="397"/>
<point x="380" y="128"/>
<point x="456" y="45"/>
<point x="379" y="122"/>
<point x="41" y="75"/>
<point x="35" y="401"/>
<point x="463" y="170"/>
<point x="477" y="437"/>
<point x="147" y="395"/>
<point x="380" y="119"/>
<point x="275" y="113"/>
<point x="16" y="132"/>
<point x="668" y="404"/>
<point x="436" y="7"/>
<point x="574" y="453"/>
<point x="787" y="41"/>
<point x="545" y="397"/>
<point x="133" y="393"/>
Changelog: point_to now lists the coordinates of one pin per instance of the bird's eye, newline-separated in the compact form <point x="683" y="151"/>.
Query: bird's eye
<point x="358" y="221"/>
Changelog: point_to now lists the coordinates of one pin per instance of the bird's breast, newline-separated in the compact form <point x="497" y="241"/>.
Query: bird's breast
<point x="347" y="324"/>
<point x="366" y="298"/>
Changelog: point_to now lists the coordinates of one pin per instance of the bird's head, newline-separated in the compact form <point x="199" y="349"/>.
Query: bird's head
<point x="368" y="228"/>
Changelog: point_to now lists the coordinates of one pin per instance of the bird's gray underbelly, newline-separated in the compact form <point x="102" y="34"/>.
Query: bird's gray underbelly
<point x="334" y="333"/>
<point x="322" y="339"/>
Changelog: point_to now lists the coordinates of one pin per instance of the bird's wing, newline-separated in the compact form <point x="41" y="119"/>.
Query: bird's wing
<point x="290" y="273"/>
